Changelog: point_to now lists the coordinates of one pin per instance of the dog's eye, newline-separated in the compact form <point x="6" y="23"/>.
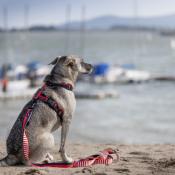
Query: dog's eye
<point x="71" y="64"/>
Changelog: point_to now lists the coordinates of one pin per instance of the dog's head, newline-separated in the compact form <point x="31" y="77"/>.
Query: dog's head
<point x="70" y="66"/>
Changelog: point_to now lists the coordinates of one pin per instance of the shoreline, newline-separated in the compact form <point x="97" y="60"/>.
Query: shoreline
<point x="156" y="159"/>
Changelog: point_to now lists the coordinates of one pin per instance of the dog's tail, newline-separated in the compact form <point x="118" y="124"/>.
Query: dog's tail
<point x="9" y="160"/>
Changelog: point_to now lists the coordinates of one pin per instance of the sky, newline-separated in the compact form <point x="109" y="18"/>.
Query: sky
<point x="52" y="12"/>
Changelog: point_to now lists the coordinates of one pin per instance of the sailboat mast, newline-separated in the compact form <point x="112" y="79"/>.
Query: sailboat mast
<point x="136" y="25"/>
<point x="25" y="34"/>
<point x="5" y="23"/>
<point x="82" y="29"/>
<point x="5" y="18"/>
<point x="67" y="28"/>
<point x="136" y="12"/>
<point x="26" y="17"/>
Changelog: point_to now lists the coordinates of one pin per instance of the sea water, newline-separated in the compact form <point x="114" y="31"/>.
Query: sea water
<point x="144" y="113"/>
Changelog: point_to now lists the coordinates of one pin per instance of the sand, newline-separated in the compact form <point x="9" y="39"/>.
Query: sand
<point x="134" y="160"/>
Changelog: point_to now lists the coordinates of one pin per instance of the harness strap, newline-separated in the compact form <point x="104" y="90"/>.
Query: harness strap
<point x="26" y="149"/>
<point x="47" y="100"/>
<point x="50" y="102"/>
<point x="67" y="86"/>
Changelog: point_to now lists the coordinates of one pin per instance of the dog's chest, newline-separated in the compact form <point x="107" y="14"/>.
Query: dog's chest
<point x="70" y="103"/>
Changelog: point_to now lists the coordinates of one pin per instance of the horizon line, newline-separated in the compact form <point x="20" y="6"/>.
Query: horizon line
<point x="88" y="19"/>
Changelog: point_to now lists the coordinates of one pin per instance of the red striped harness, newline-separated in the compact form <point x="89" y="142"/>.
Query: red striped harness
<point x="103" y="157"/>
<point x="40" y="96"/>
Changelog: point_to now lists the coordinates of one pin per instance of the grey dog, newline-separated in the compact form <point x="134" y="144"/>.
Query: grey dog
<point x="45" y="120"/>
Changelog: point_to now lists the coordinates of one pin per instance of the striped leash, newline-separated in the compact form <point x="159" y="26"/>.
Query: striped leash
<point x="105" y="157"/>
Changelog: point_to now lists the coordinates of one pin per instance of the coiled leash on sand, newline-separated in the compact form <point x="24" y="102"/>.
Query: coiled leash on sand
<point x="103" y="157"/>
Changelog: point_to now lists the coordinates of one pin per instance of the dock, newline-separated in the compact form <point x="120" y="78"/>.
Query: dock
<point x="97" y="95"/>
<point x="28" y="93"/>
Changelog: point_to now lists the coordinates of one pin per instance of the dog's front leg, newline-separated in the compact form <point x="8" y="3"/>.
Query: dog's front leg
<point x="64" y="133"/>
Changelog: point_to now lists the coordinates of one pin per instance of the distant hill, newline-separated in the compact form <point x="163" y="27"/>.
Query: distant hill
<point x="42" y="28"/>
<point x="107" y="22"/>
<point x="163" y="23"/>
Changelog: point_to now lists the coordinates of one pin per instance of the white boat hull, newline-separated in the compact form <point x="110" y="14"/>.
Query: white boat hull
<point x="17" y="85"/>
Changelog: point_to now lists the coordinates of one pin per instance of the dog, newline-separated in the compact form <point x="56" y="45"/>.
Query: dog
<point x="44" y="120"/>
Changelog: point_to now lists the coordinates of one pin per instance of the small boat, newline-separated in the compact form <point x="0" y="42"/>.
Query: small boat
<point x="105" y="73"/>
<point x="21" y="77"/>
<point x="16" y="78"/>
<point x="17" y="85"/>
<point x="36" y="72"/>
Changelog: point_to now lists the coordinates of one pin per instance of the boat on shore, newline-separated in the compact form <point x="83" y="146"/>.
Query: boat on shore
<point x="23" y="80"/>
<point x="106" y="73"/>
<point x="21" y="77"/>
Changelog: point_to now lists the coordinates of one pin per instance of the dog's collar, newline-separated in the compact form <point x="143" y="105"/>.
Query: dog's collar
<point x="67" y="86"/>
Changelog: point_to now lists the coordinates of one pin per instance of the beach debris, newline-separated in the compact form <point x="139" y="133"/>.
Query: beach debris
<point x="167" y="163"/>
<point x="139" y="153"/>
<point x="87" y="170"/>
<point x="122" y="170"/>
<point x="33" y="171"/>
<point x="125" y="159"/>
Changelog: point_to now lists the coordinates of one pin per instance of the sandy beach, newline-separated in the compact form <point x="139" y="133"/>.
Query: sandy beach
<point x="134" y="160"/>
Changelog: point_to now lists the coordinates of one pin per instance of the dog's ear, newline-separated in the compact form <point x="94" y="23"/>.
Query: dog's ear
<point x="55" y="61"/>
<point x="60" y="59"/>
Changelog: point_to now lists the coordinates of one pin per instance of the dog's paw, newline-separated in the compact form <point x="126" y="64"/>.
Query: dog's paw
<point x="48" y="158"/>
<point x="65" y="157"/>
<point x="69" y="160"/>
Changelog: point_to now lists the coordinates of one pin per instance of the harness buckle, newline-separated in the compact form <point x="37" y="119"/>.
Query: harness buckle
<point x="42" y="97"/>
<point x="37" y="95"/>
<point x="60" y="112"/>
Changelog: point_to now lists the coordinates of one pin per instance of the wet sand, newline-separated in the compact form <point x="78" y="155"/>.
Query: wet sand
<point x="134" y="160"/>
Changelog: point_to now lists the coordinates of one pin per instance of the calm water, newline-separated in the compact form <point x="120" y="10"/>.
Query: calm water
<point x="144" y="113"/>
